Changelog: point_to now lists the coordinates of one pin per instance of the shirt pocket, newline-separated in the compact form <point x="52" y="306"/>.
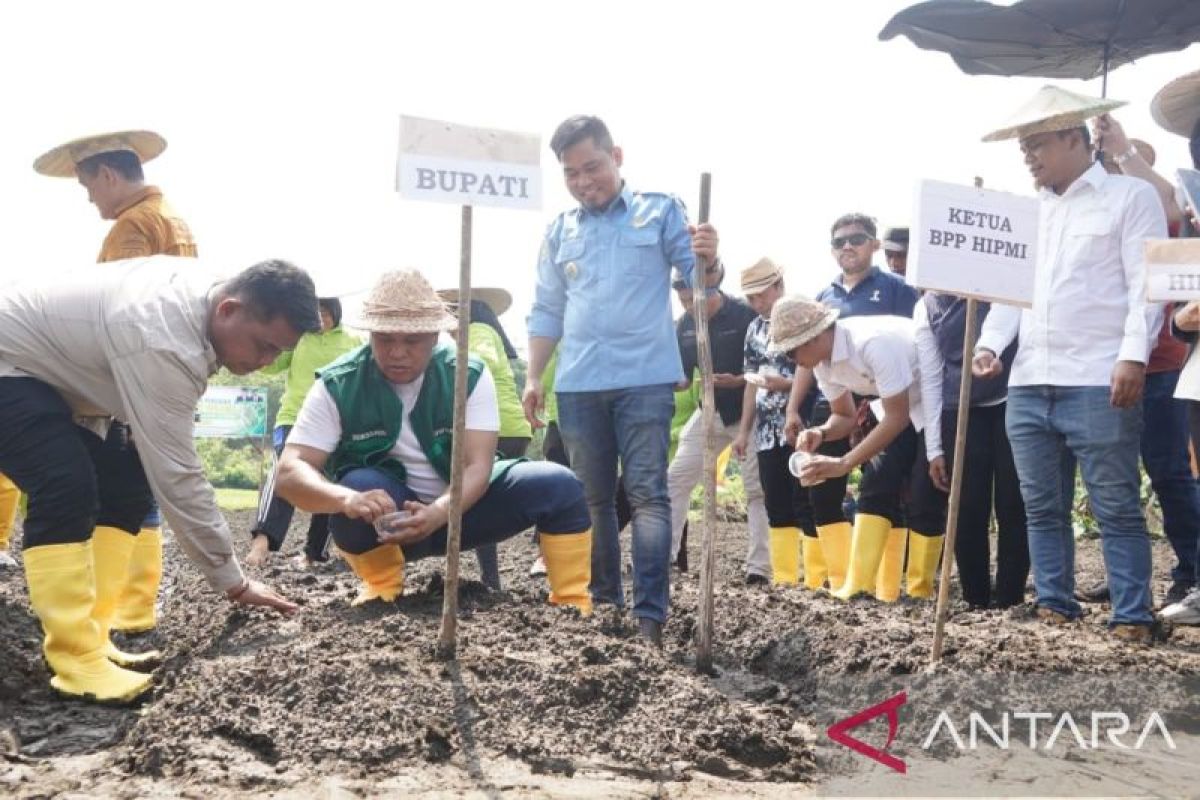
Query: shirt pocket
<point x="571" y="261"/>
<point x="639" y="252"/>
<point x="1089" y="239"/>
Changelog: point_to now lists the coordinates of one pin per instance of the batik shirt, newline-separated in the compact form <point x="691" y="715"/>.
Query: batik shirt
<point x="769" y="407"/>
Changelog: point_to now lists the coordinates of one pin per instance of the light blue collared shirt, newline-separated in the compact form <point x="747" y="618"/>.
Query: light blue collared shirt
<point x="603" y="292"/>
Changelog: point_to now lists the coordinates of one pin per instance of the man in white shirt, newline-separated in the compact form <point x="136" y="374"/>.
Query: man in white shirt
<point x="1077" y="378"/>
<point x="870" y="357"/>
<point x="136" y="341"/>
<point x="375" y="435"/>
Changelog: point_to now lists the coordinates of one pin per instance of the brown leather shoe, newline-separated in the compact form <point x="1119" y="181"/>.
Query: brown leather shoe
<point x="1134" y="634"/>
<point x="1052" y="617"/>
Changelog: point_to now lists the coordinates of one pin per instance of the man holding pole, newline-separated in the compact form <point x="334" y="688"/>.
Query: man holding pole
<point x="1077" y="378"/>
<point x="602" y="297"/>
<point x="375" y="436"/>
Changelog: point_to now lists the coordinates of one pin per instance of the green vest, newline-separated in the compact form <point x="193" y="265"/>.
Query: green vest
<point x="371" y="413"/>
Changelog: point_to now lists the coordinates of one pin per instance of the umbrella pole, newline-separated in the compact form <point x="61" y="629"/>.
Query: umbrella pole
<point x="448" y="639"/>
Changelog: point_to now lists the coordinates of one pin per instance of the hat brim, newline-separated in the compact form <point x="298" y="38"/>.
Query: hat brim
<point x="761" y="285"/>
<point x="60" y="162"/>
<point x="497" y="299"/>
<point x="395" y="323"/>
<point x="895" y="247"/>
<point x="790" y="342"/>
<point x="1058" y="122"/>
<point x="1176" y="107"/>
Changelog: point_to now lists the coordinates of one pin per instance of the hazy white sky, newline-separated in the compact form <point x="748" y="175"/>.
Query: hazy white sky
<point x="282" y="121"/>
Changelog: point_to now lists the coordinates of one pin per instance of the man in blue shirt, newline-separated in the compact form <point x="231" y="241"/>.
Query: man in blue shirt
<point x="602" y="297"/>
<point x="861" y="290"/>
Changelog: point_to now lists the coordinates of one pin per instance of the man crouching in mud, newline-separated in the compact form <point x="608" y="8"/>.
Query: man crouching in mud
<point x="374" y="436"/>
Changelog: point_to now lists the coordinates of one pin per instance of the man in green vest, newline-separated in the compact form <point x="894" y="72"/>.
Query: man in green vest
<point x="374" y="436"/>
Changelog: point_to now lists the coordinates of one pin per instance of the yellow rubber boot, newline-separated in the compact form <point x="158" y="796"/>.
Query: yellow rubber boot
<point x="10" y="498"/>
<point x="815" y="571"/>
<point x="887" y="582"/>
<point x="135" y="607"/>
<point x="835" y="547"/>
<point x="866" y="553"/>
<point x="785" y="556"/>
<point x="112" y="548"/>
<point x="62" y="591"/>
<point x="924" y="553"/>
<point x="568" y="558"/>
<point x="382" y="573"/>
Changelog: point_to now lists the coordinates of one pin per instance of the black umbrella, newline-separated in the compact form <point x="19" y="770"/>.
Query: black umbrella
<point x="1048" y="38"/>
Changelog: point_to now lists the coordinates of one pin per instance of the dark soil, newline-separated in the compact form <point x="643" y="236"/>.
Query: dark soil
<point x="252" y="703"/>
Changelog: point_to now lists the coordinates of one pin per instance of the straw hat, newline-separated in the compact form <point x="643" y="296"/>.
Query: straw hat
<point x="895" y="240"/>
<point x="763" y="274"/>
<point x="60" y="162"/>
<point x="1176" y="107"/>
<point x="796" y="320"/>
<point x="497" y="299"/>
<point x="404" y="302"/>
<point x="1052" y="109"/>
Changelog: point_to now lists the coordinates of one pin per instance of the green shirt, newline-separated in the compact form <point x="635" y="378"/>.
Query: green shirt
<point x="313" y="351"/>
<point x="485" y="344"/>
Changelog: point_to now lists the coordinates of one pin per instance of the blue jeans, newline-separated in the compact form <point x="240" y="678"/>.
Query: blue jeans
<point x="634" y="425"/>
<point x="1165" y="456"/>
<point x="530" y="494"/>
<point x="1051" y="428"/>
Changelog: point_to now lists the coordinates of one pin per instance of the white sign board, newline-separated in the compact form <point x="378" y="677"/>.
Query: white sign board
<point x="1172" y="270"/>
<point x="974" y="243"/>
<point x="448" y="163"/>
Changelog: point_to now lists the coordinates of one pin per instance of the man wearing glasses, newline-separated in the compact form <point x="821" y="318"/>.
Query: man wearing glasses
<point x="861" y="290"/>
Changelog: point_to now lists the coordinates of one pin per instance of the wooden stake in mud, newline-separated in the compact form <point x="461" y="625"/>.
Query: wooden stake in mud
<point x="447" y="639"/>
<point x="704" y="622"/>
<point x="960" y="446"/>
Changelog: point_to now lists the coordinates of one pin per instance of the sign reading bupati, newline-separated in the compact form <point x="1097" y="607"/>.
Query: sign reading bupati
<point x="974" y="243"/>
<point x="449" y="163"/>
<point x="1172" y="270"/>
<point x="231" y="412"/>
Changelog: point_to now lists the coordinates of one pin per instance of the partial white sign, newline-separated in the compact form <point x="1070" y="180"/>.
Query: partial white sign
<point x="1172" y="270"/>
<point x="447" y="163"/>
<point x="974" y="243"/>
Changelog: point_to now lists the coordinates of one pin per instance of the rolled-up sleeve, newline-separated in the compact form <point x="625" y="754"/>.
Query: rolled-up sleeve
<point x="159" y="394"/>
<point x="550" y="293"/>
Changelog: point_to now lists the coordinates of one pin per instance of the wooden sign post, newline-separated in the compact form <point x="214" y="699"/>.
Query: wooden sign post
<point x="978" y="245"/>
<point x="446" y="163"/>
<point x="704" y="612"/>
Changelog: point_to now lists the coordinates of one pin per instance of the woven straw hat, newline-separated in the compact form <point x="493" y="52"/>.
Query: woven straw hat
<point x="60" y="162"/>
<point x="796" y="320"/>
<point x="761" y="275"/>
<point x="497" y="299"/>
<point x="404" y="302"/>
<point x="1176" y="107"/>
<point x="1052" y="109"/>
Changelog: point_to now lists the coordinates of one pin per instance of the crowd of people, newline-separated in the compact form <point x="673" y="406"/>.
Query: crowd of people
<point x="100" y="373"/>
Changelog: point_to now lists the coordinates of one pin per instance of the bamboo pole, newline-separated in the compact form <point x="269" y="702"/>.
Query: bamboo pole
<point x="704" y="625"/>
<point x="958" y="468"/>
<point x="448" y="638"/>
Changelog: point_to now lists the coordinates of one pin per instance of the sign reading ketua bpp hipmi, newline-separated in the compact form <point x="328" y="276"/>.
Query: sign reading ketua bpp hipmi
<point x="448" y="163"/>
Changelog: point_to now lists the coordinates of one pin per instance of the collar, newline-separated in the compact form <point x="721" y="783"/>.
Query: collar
<point x="1093" y="177"/>
<point x="843" y="348"/>
<point x="141" y="195"/>
<point x="624" y="196"/>
<point x="873" y="272"/>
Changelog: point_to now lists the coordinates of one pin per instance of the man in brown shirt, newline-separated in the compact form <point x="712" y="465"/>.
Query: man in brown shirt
<point x="109" y="166"/>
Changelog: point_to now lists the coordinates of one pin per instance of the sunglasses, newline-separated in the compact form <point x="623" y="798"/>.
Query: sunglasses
<point x="854" y="240"/>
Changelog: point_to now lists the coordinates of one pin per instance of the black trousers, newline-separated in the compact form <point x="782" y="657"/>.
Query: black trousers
<point x="884" y="478"/>
<point x="274" y="525"/>
<point x="989" y="482"/>
<point x="74" y="479"/>
<point x="826" y="498"/>
<point x="788" y="504"/>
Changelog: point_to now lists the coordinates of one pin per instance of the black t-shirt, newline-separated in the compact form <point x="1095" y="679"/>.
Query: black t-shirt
<point x="726" y="343"/>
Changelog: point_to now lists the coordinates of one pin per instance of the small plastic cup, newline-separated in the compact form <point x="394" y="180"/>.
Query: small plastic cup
<point x="796" y="464"/>
<point x="388" y="523"/>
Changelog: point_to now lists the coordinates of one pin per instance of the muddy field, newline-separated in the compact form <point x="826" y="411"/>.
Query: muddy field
<point x="342" y="702"/>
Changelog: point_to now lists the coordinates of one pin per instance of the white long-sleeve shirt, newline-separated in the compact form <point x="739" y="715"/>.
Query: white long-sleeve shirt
<point x="1088" y="309"/>
<point x="130" y="340"/>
